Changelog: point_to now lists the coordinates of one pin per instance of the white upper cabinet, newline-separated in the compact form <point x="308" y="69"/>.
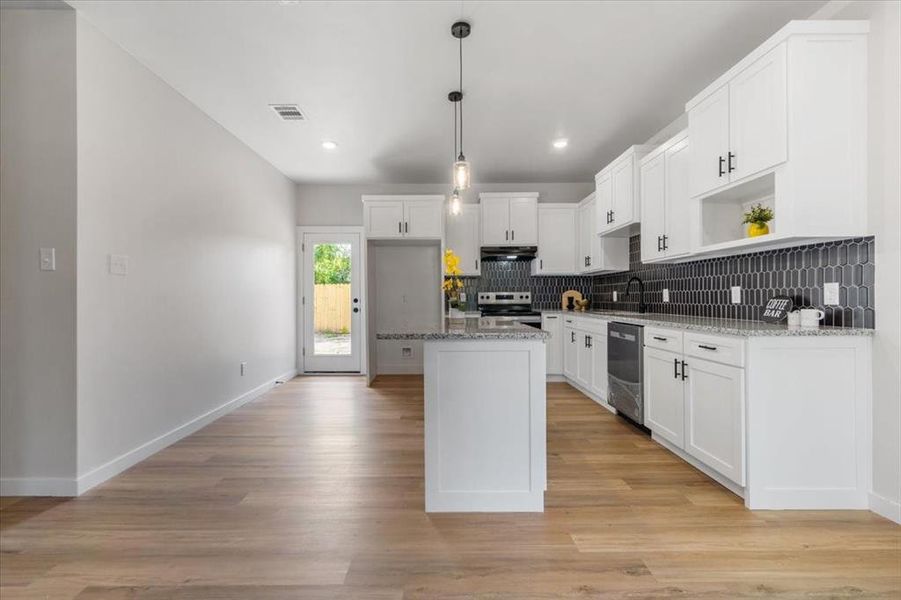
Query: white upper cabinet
<point x="598" y="254"/>
<point x="665" y="206"/>
<point x="462" y="236"/>
<point x="411" y="217"/>
<point x="786" y="127"/>
<point x="708" y="130"/>
<point x="384" y="218"/>
<point x="509" y="219"/>
<point x="557" y="242"/>
<point x="618" y="209"/>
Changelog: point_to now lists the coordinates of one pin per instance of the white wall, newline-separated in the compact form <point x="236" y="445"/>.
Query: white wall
<point x="340" y="204"/>
<point x="209" y="230"/>
<point x="884" y="136"/>
<point x="37" y="208"/>
<point x="407" y="297"/>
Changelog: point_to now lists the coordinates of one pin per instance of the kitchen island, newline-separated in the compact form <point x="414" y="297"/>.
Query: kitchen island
<point x="485" y="415"/>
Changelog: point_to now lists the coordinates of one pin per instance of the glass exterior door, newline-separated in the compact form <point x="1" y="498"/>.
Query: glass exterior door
<point x="331" y="301"/>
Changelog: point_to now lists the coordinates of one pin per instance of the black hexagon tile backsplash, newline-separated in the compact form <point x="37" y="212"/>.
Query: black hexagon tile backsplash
<point x="702" y="287"/>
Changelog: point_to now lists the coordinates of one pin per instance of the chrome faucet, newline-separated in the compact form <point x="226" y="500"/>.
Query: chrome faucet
<point x="642" y="307"/>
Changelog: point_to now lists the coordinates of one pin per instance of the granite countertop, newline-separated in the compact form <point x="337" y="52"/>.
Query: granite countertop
<point x="470" y="328"/>
<point x="714" y="326"/>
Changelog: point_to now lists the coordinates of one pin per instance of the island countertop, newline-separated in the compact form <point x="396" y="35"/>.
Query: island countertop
<point x="469" y="328"/>
<point x="714" y="326"/>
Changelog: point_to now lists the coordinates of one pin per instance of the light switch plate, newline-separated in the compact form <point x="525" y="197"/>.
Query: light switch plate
<point x="666" y="294"/>
<point x="243" y="369"/>
<point x="118" y="264"/>
<point x="736" y="294"/>
<point x="48" y="259"/>
<point x="830" y="293"/>
<point x="614" y="296"/>
<point x="462" y="296"/>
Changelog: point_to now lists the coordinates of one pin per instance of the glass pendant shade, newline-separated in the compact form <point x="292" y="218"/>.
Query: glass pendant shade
<point x="455" y="205"/>
<point x="461" y="174"/>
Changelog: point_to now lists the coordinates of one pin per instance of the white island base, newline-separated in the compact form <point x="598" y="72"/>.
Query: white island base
<point x="485" y="425"/>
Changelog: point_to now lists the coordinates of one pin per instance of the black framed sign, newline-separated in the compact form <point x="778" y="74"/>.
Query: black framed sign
<point x="776" y="309"/>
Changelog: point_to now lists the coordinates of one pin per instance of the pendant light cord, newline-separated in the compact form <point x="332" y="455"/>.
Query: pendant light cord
<point x="461" y="98"/>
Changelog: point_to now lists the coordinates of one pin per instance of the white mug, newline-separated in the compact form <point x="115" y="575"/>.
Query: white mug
<point x="811" y="317"/>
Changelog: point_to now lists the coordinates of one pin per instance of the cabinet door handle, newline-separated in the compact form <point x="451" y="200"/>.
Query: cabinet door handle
<point x="731" y="166"/>
<point x="400" y="227"/>
<point x="591" y="341"/>
<point x="707" y="347"/>
<point x="684" y="375"/>
<point x="589" y="261"/>
<point x="512" y="234"/>
<point x="507" y="234"/>
<point x="665" y="244"/>
<point x="676" y="368"/>
<point x="572" y="335"/>
<point x="659" y="243"/>
<point x="612" y="216"/>
<point x="660" y="339"/>
<point x="722" y="166"/>
<point x="477" y="264"/>
<point x="541" y="263"/>
<point x="406" y="227"/>
<point x="551" y="317"/>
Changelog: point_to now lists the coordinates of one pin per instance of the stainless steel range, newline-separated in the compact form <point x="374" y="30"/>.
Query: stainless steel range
<point x="509" y="306"/>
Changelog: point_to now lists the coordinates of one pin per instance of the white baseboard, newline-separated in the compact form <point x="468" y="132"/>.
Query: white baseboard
<point x="720" y="479"/>
<point x="136" y="455"/>
<point x="407" y="368"/>
<point x="38" y="486"/>
<point x="593" y="397"/>
<point x="885" y="507"/>
<point x="60" y="486"/>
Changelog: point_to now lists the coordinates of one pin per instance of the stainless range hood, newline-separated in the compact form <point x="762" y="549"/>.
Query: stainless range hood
<point x="524" y="253"/>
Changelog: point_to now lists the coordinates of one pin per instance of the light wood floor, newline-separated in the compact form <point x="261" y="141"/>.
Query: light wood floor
<point x="316" y="491"/>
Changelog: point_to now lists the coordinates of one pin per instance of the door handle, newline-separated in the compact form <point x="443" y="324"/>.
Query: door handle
<point x="675" y="367"/>
<point x="722" y="163"/>
<point x="731" y="166"/>
<point x="684" y="376"/>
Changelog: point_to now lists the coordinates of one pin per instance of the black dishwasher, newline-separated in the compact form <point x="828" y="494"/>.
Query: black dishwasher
<point x="625" y="370"/>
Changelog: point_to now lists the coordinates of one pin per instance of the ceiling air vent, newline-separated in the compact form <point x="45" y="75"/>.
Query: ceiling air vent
<point x="289" y="112"/>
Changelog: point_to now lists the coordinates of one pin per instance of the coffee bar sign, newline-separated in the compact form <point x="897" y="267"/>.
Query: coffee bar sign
<point x="776" y="309"/>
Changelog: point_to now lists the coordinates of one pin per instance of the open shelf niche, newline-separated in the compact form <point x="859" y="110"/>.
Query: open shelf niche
<point x="721" y="214"/>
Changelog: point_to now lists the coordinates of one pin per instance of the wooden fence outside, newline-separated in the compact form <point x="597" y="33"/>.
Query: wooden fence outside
<point x="331" y="307"/>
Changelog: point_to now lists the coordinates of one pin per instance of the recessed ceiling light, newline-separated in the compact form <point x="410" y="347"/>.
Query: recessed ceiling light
<point x="561" y="143"/>
<point x="329" y="145"/>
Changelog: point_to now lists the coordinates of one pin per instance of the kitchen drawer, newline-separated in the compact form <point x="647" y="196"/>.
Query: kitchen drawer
<point x="724" y="350"/>
<point x="594" y="325"/>
<point x="664" y="339"/>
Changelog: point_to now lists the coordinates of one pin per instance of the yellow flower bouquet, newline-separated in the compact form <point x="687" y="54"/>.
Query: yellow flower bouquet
<point x="452" y="283"/>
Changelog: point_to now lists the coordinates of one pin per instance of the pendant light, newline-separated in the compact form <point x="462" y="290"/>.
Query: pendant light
<point x="461" y="172"/>
<point x="454" y="207"/>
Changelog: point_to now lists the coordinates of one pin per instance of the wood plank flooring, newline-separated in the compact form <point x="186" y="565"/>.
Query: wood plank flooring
<point x="316" y="491"/>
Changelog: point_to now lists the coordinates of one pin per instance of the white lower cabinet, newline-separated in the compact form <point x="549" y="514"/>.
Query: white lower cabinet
<point x="598" y="349"/>
<point x="570" y="352"/>
<point x="553" y="324"/>
<point x="585" y="354"/>
<point x="583" y="372"/>
<point x="715" y="424"/>
<point x="664" y="396"/>
<point x="697" y="405"/>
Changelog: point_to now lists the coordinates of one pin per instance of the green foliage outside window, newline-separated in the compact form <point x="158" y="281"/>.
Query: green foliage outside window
<point x="331" y="263"/>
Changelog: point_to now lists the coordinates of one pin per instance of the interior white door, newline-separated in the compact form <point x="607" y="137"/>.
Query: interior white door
<point x="653" y="207"/>
<point x="603" y="197"/>
<point x="384" y="218"/>
<point x="715" y="424"/>
<point x="332" y="303"/>
<point x="462" y="236"/>
<point x="524" y="221"/>
<point x="556" y="241"/>
<point x="758" y="115"/>
<point x="678" y="225"/>
<point x="423" y="219"/>
<point x="708" y="130"/>
<point x="570" y="353"/>
<point x="664" y="398"/>
<point x="623" y="176"/>
<point x="495" y="221"/>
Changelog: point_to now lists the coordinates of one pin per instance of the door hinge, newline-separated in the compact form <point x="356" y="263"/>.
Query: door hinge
<point x="303" y="352"/>
<point x="303" y="300"/>
<point x="303" y="247"/>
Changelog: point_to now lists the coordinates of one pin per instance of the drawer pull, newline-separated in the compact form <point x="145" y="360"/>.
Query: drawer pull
<point x="551" y="317"/>
<point x="660" y="339"/>
<point x="706" y="347"/>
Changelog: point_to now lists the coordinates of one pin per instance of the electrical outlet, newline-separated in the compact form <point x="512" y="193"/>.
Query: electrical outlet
<point x="462" y="296"/>
<point x="830" y="293"/>
<point x="666" y="294"/>
<point x="243" y="369"/>
<point x="615" y="296"/>
<point x="118" y="264"/>
<point x="736" y="294"/>
<point x="48" y="259"/>
<point x="406" y="352"/>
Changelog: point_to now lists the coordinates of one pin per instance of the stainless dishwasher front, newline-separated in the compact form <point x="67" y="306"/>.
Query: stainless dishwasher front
<point x="625" y="370"/>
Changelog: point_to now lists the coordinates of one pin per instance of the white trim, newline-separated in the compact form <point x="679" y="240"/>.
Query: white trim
<point x="136" y="455"/>
<point x="38" y="486"/>
<point x="714" y="475"/>
<point x="300" y="230"/>
<point x="591" y="396"/>
<point x="885" y="507"/>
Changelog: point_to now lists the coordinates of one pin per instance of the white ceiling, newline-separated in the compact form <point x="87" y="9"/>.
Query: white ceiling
<point x="374" y="77"/>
